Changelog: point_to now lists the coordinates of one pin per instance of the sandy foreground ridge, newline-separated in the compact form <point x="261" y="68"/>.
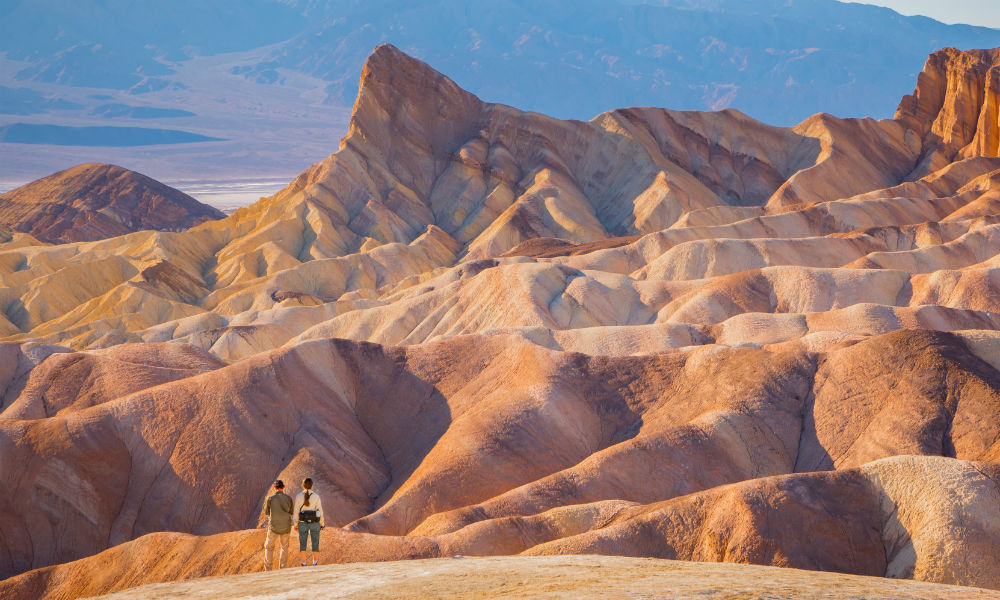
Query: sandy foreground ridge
<point x="551" y="578"/>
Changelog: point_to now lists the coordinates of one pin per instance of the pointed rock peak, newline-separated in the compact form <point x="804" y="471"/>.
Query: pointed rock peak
<point x="954" y="107"/>
<point x="387" y="58"/>
<point x="402" y="99"/>
<point x="388" y="68"/>
<point x="440" y="237"/>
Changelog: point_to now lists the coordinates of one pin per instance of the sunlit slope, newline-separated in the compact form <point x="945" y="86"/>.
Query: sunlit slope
<point x="411" y="231"/>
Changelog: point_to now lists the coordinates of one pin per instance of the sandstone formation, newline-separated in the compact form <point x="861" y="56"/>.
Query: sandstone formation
<point x="955" y="107"/>
<point x="96" y="201"/>
<point x="487" y="332"/>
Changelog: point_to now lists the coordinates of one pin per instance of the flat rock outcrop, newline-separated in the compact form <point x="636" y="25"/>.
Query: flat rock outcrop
<point x="95" y="201"/>
<point x="576" y="577"/>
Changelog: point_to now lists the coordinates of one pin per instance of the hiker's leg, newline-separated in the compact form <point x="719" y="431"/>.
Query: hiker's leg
<point x="283" y="540"/>
<point x="269" y="550"/>
<point x="315" y="541"/>
<point x="303" y="533"/>
<point x="306" y="529"/>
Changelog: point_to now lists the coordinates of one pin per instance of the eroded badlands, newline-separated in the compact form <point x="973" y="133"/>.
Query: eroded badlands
<point x="483" y="332"/>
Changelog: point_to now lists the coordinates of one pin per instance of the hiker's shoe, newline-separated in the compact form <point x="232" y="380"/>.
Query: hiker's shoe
<point x="315" y="562"/>
<point x="304" y="564"/>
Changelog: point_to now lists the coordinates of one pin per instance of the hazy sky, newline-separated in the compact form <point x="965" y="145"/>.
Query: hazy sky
<point x="973" y="12"/>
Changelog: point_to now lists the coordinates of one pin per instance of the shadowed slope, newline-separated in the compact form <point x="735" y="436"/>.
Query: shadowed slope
<point x="435" y="437"/>
<point x="895" y="517"/>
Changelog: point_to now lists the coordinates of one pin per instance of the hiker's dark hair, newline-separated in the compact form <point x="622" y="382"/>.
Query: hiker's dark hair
<point x="307" y="483"/>
<point x="279" y="484"/>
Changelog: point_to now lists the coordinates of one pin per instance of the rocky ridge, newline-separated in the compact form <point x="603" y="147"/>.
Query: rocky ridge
<point x="487" y="332"/>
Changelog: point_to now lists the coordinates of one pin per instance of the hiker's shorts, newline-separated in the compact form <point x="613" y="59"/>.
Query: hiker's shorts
<point x="306" y="530"/>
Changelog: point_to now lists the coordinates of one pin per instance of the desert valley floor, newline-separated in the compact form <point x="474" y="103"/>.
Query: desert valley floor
<point x="485" y="332"/>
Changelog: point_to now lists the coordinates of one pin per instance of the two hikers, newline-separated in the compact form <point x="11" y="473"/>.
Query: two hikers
<point x="305" y="515"/>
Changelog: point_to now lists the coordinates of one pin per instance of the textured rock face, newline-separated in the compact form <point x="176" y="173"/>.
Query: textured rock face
<point x="96" y="201"/>
<point x="955" y="106"/>
<point x="488" y="332"/>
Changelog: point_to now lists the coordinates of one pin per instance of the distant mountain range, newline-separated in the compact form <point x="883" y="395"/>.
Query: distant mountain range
<point x="274" y="80"/>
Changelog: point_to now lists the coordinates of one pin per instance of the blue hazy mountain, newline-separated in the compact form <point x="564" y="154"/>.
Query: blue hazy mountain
<point x="265" y="86"/>
<point x="777" y="60"/>
<point x="118" y="44"/>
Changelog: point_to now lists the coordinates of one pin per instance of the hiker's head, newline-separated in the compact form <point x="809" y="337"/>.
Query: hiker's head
<point x="279" y="484"/>
<point x="307" y="483"/>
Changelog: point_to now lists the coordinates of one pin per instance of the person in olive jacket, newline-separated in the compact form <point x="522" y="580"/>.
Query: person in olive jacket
<point x="278" y="510"/>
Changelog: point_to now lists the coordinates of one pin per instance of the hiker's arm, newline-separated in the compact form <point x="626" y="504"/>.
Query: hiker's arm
<point x="262" y="519"/>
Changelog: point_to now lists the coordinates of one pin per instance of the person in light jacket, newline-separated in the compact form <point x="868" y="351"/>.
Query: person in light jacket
<point x="308" y="520"/>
